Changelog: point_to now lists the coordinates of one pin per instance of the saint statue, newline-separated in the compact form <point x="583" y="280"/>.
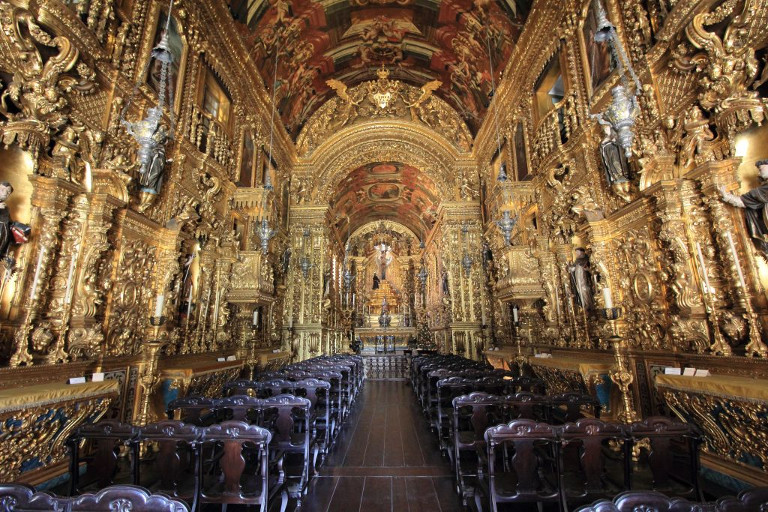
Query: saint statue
<point x="153" y="170"/>
<point x="581" y="279"/>
<point x="754" y="204"/>
<point x="375" y="282"/>
<point x="10" y="232"/>
<point x="614" y="161"/>
<point x="385" y="258"/>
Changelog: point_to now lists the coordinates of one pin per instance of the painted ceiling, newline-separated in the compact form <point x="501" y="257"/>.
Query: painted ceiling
<point x="385" y="191"/>
<point x="299" y="44"/>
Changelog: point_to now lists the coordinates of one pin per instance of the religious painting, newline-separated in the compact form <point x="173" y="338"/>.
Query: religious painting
<point x="549" y="89"/>
<point x="350" y="41"/>
<point x="247" y="161"/>
<point x="599" y="59"/>
<point x="383" y="192"/>
<point x="176" y="46"/>
<point x="521" y="153"/>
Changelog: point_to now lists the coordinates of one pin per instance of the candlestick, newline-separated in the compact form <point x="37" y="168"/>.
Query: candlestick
<point x="515" y="314"/>
<point x="736" y="261"/>
<point x="159" y="305"/>
<point x="607" y="297"/>
<point x="255" y="317"/>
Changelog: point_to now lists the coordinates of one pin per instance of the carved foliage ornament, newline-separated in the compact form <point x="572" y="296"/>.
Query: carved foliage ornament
<point x="383" y="98"/>
<point x="727" y="64"/>
<point x="34" y="103"/>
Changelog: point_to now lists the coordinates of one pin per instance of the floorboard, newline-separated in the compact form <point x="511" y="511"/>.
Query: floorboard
<point x="385" y="459"/>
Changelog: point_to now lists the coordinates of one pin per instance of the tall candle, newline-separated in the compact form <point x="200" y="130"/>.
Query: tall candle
<point x="37" y="271"/>
<point x="515" y="314"/>
<point x="736" y="261"/>
<point x="159" y="305"/>
<point x="607" y="297"/>
<point x="707" y="288"/>
<point x="256" y="317"/>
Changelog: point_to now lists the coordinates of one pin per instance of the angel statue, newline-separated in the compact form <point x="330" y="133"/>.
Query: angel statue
<point x="426" y="92"/>
<point x="349" y="102"/>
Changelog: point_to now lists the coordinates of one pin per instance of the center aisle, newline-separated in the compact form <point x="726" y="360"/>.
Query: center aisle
<point x="385" y="460"/>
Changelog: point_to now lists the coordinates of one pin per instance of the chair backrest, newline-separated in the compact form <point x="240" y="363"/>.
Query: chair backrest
<point x="750" y="500"/>
<point x="23" y="497"/>
<point x="522" y="438"/>
<point x="236" y="440"/>
<point x="193" y="409"/>
<point x="176" y="448"/>
<point x="105" y="440"/>
<point x="477" y="411"/>
<point x="239" y="408"/>
<point x="274" y="387"/>
<point x="663" y="433"/>
<point x="314" y="390"/>
<point x="591" y="437"/>
<point x="280" y="415"/>
<point x="125" y="498"/>
<point x="241" y="387"/>
<point x="572" y="407"/>
<point x="635" y="501"/>
<point x="528" y="406"/>
<point x="529" y="384"/>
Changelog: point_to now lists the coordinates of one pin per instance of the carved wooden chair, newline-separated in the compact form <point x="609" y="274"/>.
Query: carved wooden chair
<point x="239" y="408"/>
<point x="588" y="468"/>
<point x="334" y="399"/>
<point x="472" y="415"/>
<point x="570" y="407"/>
<point x="318" y="392"/>
<point x="442" y="412"/>
<point x="171" y="465"/>
<point x="194" y="410"/>
<point x="522" y="462"/>
<point x="529" y="384"/>
<point x="288" y="418"/>
<point x="635" y="501"/>
<point x="242" y="387"/>
<point x="274" y="387"/>
<point x="124" y="498"/>
<point x="20" y="497"/>
<point x="240" y="473"/>
<point x="103" y="444"/>
<point x="528" y="406"/>
<point x="671" y="445"/>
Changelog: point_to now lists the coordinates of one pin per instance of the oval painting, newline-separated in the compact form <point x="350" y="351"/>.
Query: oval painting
<point x="383" y="192"/>
<point x="384" y="169"/>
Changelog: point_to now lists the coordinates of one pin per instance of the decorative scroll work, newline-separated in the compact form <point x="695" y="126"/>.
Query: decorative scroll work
<point x="35" y="436"/>
<point x="358" y="104"/>
<point x="734" y="429"/>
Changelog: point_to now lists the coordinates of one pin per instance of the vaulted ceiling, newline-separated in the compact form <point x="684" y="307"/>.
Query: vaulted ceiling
<point x="299" y="44"/>
<point x="385" y="191"/>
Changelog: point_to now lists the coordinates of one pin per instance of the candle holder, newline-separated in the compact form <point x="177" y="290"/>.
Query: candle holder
<point x="156" y="322"/>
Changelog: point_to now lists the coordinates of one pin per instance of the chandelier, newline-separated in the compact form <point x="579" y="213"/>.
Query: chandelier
<point x="150" y="134"/>
<point x="623" y="110"/>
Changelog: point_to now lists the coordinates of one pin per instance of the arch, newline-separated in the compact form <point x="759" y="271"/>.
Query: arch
<point x="382" y="141"/>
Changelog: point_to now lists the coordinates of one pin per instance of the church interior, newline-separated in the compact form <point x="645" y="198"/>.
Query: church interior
<point x="384" y="255"/>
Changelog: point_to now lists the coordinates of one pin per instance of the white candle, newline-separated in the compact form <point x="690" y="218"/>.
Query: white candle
<point x="707" y="288"/>
<point x="607" y="297"/>
<point x="353" y="300"/>
<point x="515" y="314"/>
<point x="256" y="317"/>
<point x="736" y="261"/>
<point x="159" y="305"/>
<point x="37" y="271"/>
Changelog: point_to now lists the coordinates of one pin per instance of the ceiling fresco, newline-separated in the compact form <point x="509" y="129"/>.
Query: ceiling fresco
<point x="417" y="40"/>
<point x="388" y="191"/>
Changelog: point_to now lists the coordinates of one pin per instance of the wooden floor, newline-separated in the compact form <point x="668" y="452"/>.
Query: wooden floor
<point x="385" y="459"/>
